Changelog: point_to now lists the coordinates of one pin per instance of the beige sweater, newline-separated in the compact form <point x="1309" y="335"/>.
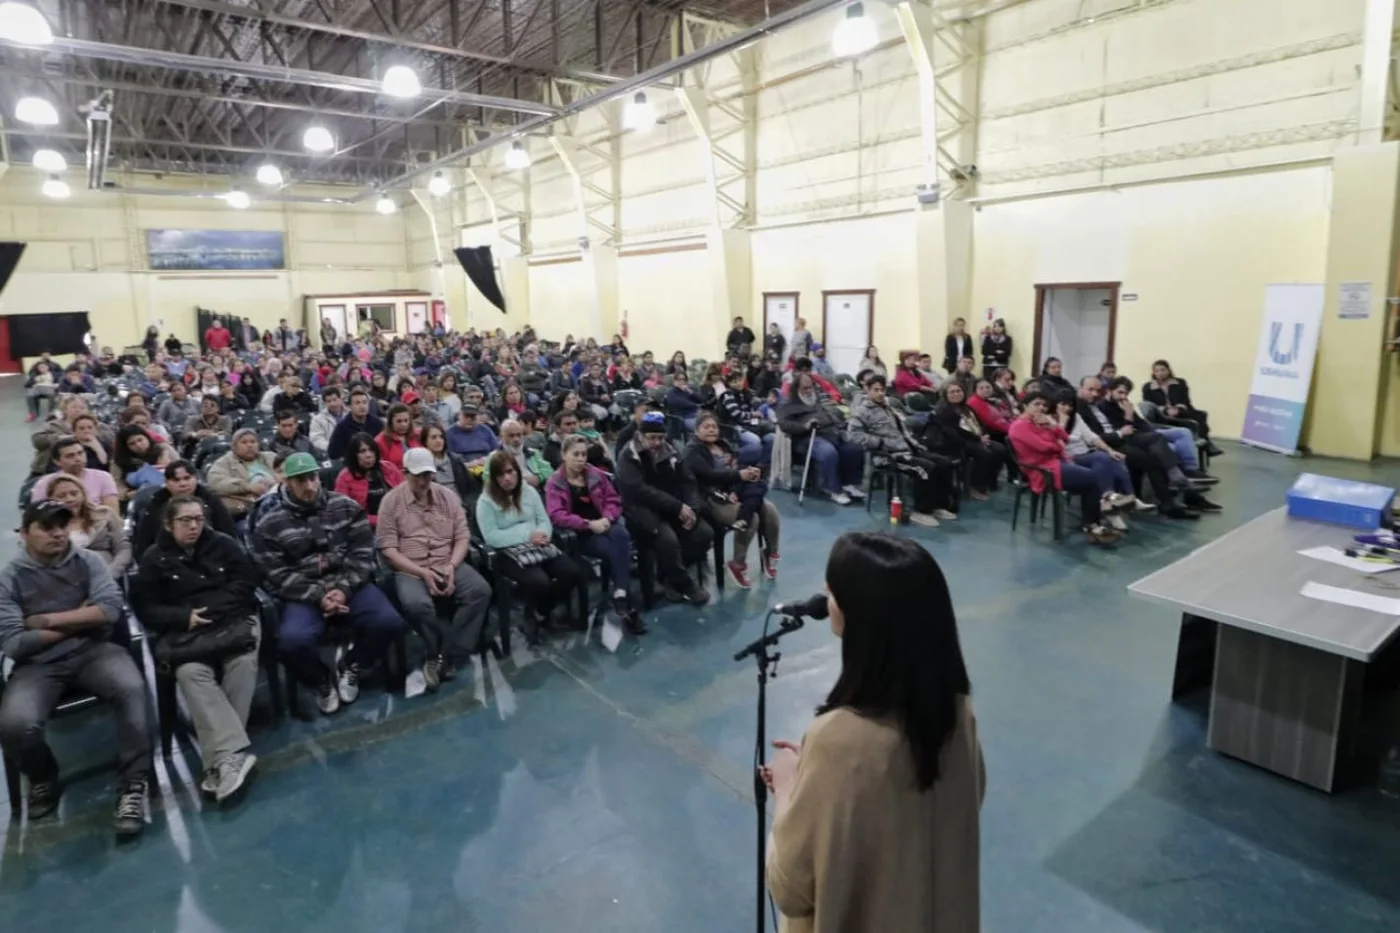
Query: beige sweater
<point x="860" y="850"/>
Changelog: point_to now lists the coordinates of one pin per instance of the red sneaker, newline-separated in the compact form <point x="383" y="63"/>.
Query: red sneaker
<point x="739" y="573"/>
<point x="770" y="565"/>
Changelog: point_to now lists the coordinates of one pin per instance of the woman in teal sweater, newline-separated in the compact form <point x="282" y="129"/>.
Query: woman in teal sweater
<point x="513" y="521"/>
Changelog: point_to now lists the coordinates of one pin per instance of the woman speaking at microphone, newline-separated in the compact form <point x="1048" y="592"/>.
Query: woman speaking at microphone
<point x="876" y="815"/>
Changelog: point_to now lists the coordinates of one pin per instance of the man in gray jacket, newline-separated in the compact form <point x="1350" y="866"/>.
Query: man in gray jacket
<point x="57" y="608"/>
<point x="880" y="430"/>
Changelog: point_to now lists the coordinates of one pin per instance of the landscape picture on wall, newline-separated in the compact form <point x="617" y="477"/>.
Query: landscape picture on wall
<point x="200" y="250"/>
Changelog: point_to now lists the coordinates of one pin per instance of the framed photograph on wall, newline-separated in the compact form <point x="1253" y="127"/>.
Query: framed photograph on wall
<point x="207" y="250"/>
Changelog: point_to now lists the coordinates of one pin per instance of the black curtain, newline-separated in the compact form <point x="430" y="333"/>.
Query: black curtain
<point x="61" y="332"/>
<point x="476" y="263"/>
<point x="204" y="319"/>
<point x="9" y="258"/>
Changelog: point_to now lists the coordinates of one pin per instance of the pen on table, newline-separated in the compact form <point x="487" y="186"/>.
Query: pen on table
<point x="1373" y="558"/>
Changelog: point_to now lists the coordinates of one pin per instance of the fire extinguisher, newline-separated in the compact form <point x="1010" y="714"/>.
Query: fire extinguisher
<point x="622" y="326"/>
<point x="896" y="510"/>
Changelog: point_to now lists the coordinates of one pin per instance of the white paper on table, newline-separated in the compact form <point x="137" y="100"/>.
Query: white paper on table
<point x="1335" y="594"/>
<point x="1337" y="556"/>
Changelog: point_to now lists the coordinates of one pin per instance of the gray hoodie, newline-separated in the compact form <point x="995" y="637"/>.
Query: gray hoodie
<point x="28" y="587"/>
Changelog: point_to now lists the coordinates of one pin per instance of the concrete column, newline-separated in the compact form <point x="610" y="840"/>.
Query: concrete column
<point x="515" y="286"/>
<point x="1345" y="414"/>
<point x="943" y="263"/>
<point x="601" y="263"/>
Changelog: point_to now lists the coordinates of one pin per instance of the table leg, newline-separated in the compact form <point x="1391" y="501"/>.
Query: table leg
<point x="1195" y="655"/>
<point x="1285" y="707"/>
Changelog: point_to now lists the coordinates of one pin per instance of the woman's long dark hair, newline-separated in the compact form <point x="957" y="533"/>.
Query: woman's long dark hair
<point x="898" y="662"/>
<point x="499" y="462"/>
<point x="1066" y="397"/>
<point x="1044" y="369"/>
<point x="127" y="460"/>
<point x="357" y="443"/>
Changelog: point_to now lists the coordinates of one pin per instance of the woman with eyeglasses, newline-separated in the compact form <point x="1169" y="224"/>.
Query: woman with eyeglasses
<point x="194" y="592"/>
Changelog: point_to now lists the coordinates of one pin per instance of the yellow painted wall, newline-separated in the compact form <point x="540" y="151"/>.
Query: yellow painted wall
<point x="1198" y="254"/>
<point x="88" y="253"/>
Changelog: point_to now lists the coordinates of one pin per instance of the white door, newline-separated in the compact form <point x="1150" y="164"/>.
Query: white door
<point x="1074" y="329"/>
<point x="781" y="310"/>
<point x="336" y="315"/>
<point x="417" y="316"/>
<point x="846" y="329"/>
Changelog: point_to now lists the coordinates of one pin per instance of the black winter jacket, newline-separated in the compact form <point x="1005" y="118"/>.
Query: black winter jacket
<point x="217" y="575"/>
<point x="659" y="481"/>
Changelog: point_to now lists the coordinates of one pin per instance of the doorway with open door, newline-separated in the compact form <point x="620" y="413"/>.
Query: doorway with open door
<point x="1076" y="322"/>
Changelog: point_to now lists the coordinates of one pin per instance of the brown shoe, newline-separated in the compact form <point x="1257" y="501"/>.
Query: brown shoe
<point x="1101" y="536"/>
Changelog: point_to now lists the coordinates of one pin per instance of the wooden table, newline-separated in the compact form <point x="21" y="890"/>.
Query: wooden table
<point x="1296" y="684"/>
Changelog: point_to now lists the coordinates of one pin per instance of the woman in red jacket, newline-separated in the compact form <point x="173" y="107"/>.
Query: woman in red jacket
<point x="398" y="435"/>
<point x="365" y="477"/>
<point x="1039" y="442"/>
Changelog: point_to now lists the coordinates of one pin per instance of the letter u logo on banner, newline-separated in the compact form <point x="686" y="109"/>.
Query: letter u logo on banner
<point x="1275" y="331"/>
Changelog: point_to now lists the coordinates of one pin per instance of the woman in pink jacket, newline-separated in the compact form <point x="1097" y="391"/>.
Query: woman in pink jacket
<point x="580" y="497"/>
<point x="1039" y="443"/>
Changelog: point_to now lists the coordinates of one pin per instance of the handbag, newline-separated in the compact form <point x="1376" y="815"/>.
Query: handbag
<point x="531" y="555"/>
<point x="207" y="644"/>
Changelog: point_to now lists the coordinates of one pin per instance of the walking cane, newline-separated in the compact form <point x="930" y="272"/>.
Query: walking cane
<point x="811" y="444"/>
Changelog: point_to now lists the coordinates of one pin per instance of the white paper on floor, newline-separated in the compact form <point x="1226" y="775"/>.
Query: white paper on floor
<point x="611" y="634"/>
<point x="413" y="685"/>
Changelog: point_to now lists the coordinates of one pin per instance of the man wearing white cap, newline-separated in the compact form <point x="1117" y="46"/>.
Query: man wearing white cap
<point x="422" y="533"/>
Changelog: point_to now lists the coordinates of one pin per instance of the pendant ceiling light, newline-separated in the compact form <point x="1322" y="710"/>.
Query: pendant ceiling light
<point x="36" y="111"/>
<point x="385" y="204"/>
<point x="854" y="35"/>
<point x="402" y="81"/>
<point x="318" y="139"/>
<point x="55" y="187"/>
<point x="238" y="199"/>
<point x="517" y="157"/>
<point x="639" y="114"/>
<point x="438" y="185"/>
<point x="22" y="23"/>
<point x="50" y="161"/>
<point x="270" y="175"/>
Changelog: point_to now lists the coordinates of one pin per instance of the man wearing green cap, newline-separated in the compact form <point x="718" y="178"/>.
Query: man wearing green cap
<point x="317" y="550"/>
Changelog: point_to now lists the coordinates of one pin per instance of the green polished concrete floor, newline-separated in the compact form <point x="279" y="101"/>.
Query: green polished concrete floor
<point x="586" y="791"/>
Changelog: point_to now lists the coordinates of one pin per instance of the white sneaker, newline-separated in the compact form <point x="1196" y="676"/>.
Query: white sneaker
<point x="943" y="515"/>
<point x="840" y="498"/>
<point x="924" y="519"/>
<point x="327" y="699"/>
<point x="1140" y="506"/>
<point x="233" y="774"/>
<point x="348" y="685"/>
<point x="855" y="492"/>
<point x="1115" y="522"/>
<point x="1121" y="500"/>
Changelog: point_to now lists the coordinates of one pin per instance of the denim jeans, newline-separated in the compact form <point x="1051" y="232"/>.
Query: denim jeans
<point x="751" y="442"/>
<point x="1111" y="474"/>
<point x="1183" y="444"/>
<point x="33" y="690"/>
<point x="615" y="548"/>
<point x="837" y="465"/>
<point x="375" y="622"/>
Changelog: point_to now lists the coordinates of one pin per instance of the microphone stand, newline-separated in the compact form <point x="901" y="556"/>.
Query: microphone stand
<point x="767" y="667"/>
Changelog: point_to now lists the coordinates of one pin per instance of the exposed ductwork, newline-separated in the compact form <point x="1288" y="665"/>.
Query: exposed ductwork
<point x="99" y="139"/>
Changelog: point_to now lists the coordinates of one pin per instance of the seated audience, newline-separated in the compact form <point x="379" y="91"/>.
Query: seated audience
<point x="581" y="498"/>
<point x="323" y="423"/>
<point x="96" y="446"/>
<point x="316" y="551"/>
<point x="422" y="534"/>
<point x="194" y="593"/>
<point x="398" y="435"/>
<point x="138" y="460"/>
<point x="470" y="440"/>
<point x="513" y="405"/>
<point x="871" y="362"/>
<point x="733" y="495"/>
<point x="178" y="408"/>
<point x="241" y="475"/>
<point x="359" y="420"/>
<point x="210" y="422"/>
<point x="181" y="479"/>
<point x="530" y="462"/>
<point x="450" y="471"/>
<point x="880" y="430"/>
<point x="58" y="607"/>
<point x="514" y="523"/>
<point x="964" y="376"/>
<point x="1040" y="442"/>
<point x="366" y="477"/>
<point x="40" y="388"/>
<point x="737" y="408"/>
<point x="660" y="501"/>
<point x="910" y="378"/>
<point x="1052" y="376"/>
<point x="955" y="432"/>
<point x="70" y="457"/>
<point x="682" y="400"/>
<point x="1087" y="449"/>
<point x="839" y="464"/>
<point x="95" y="527"/>
<point x="287" y="435"/>
<point x="1118" y="411"/>
<point x="1173" y="397"/>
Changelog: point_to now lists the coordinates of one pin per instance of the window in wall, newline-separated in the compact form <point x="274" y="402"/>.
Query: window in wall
<point x="383" y="315"/>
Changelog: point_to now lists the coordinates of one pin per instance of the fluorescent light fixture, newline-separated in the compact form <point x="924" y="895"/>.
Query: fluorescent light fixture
<point x="385" y="204"/>
<point x="402" y="81"/>
<point x="269" y="174"/>
<point x="438" y="185"/>
<point x="854" y="35"/>
<point x="318" y="139"/>
<point x="22" y="23"/>
<point x="517" y="157"/>
<point x="55" y="187"/>
<point x="36" y="111"/>
<point x="238" y="199"/>
<point x="639" y="114"/>
<point x="50" y="161"/>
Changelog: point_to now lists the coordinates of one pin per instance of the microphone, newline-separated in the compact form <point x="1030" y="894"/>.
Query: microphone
<point x="813" y="607"/>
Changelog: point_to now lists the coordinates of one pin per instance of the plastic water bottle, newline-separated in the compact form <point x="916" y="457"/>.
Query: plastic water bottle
<point x="896" y="510"/>
<point x="1389" y="783"/>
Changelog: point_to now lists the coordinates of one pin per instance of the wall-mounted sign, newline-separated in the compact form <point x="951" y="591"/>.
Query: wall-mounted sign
<point x="1128" y="296"/>
<point x="1354" y="301"/>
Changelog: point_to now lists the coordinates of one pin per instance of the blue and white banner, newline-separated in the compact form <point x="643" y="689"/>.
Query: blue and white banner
<point x="1283" y="366"/>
